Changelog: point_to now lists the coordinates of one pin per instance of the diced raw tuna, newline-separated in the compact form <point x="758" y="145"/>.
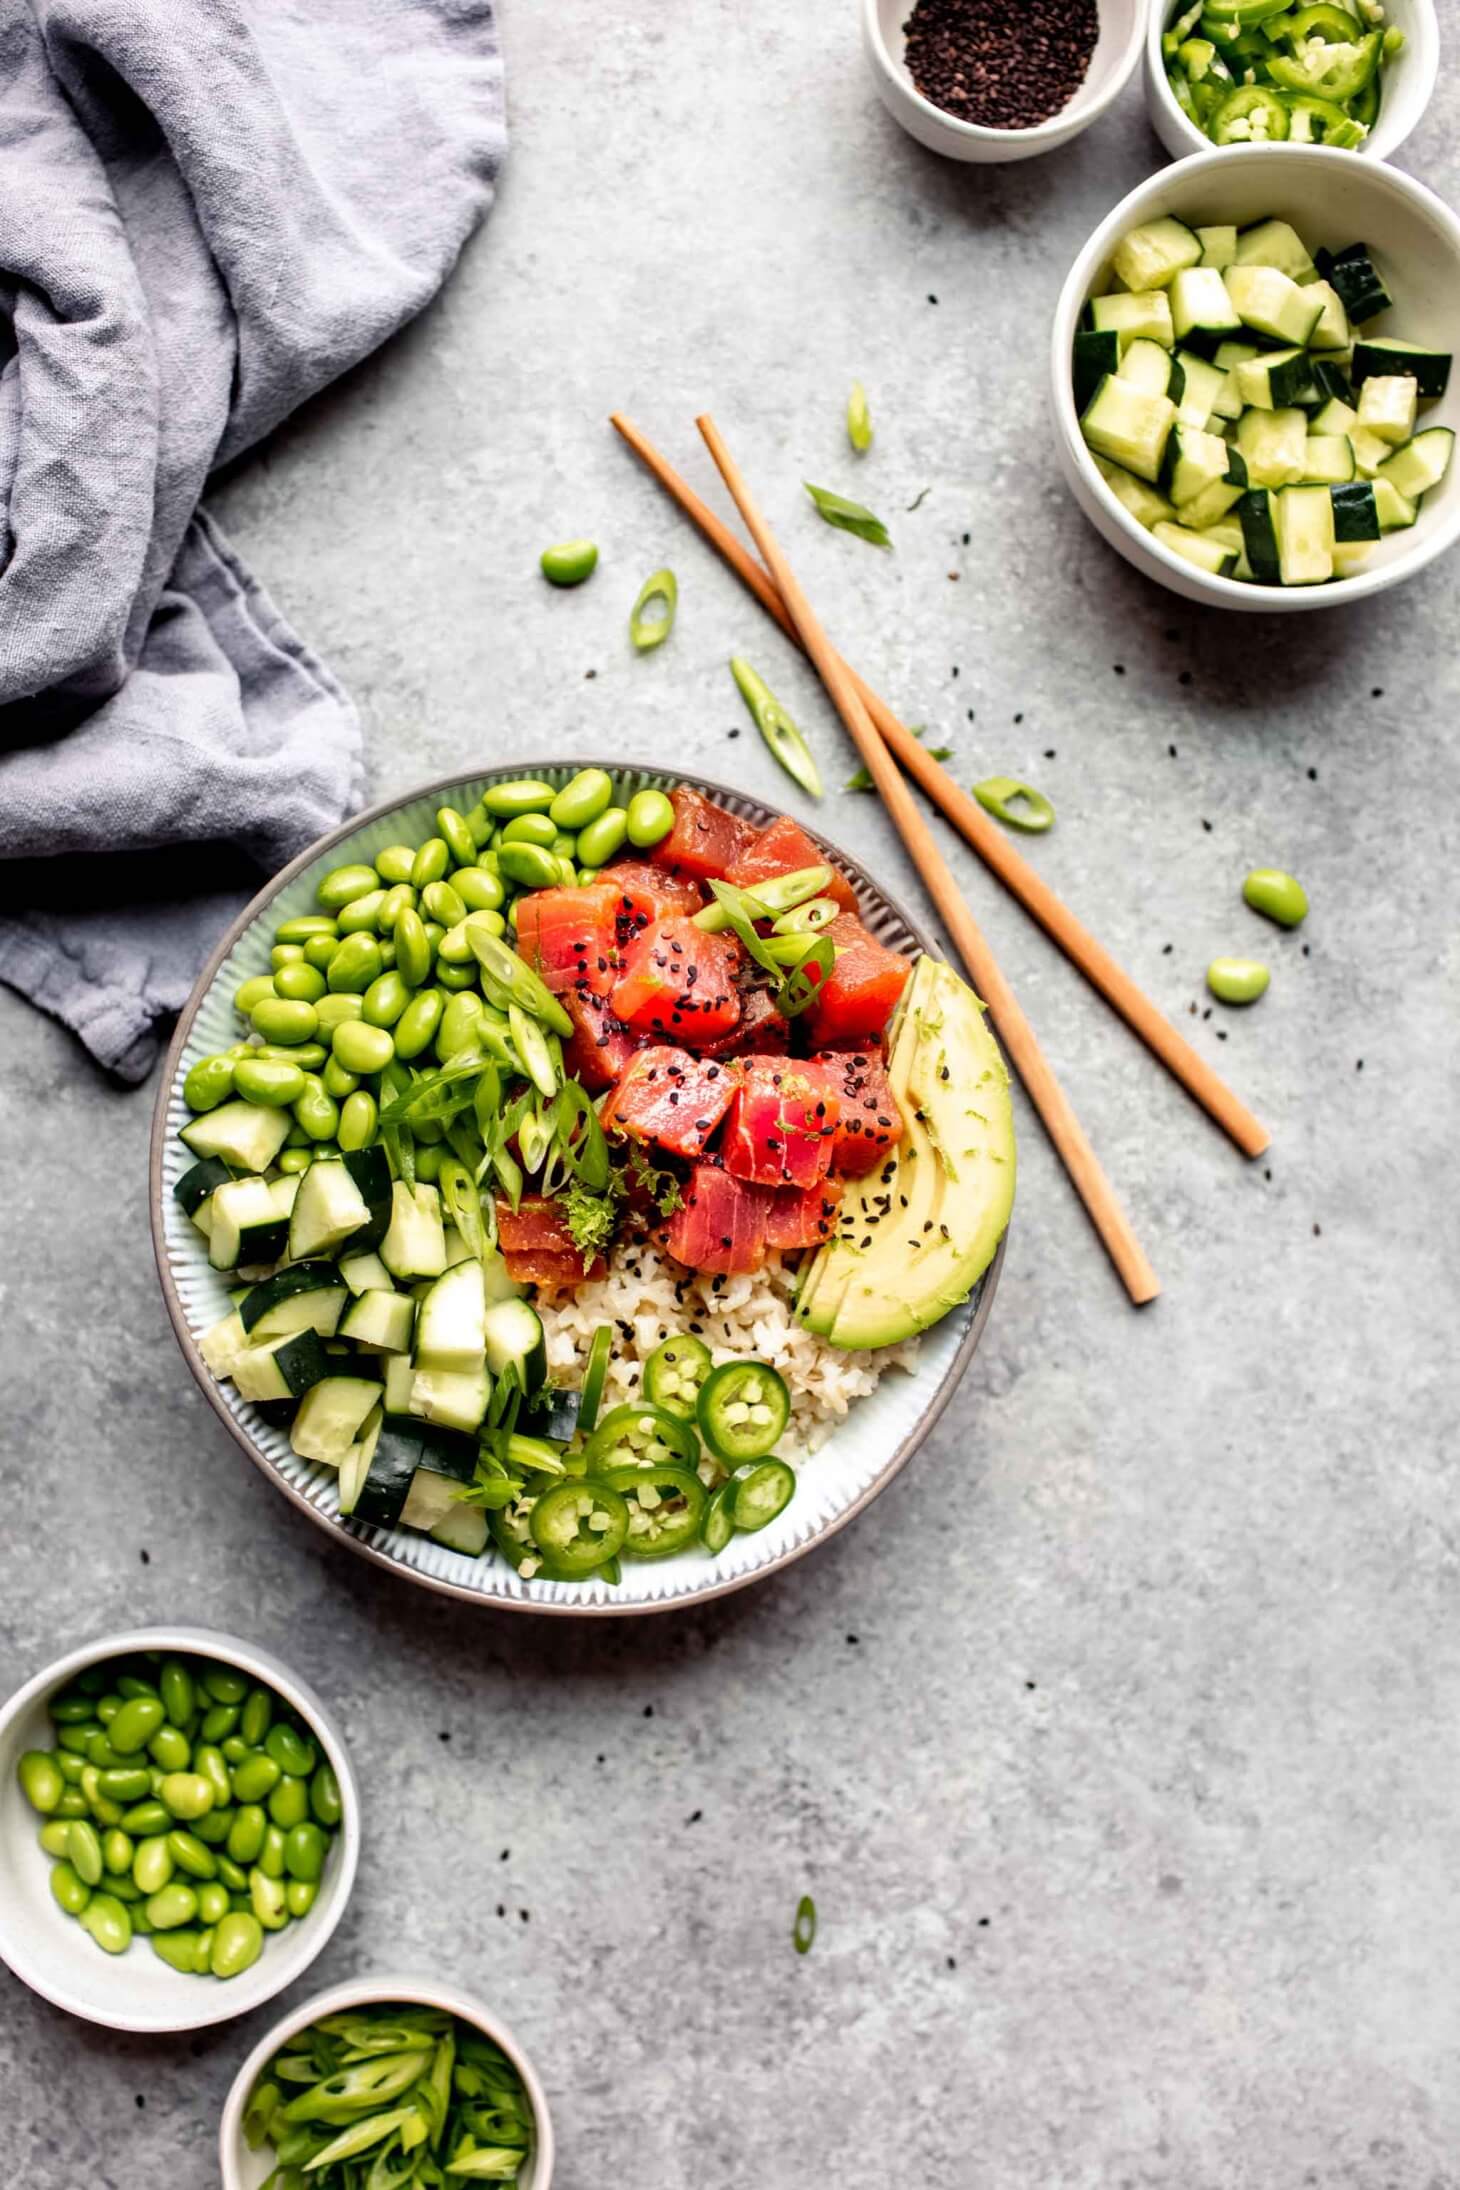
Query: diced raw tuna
<point x="783" y="847"/>
<point x="802" y="1216"/>
<point x="570" y="937"/>
<point x="720" y="1225"/>
<point x="705" y="839"/>
<point x="648" y="893"/>
<point x="762" y="1028"/>
<point x="782" y="1122"/>
<point x="537" y="1246"/>
<point x="600" y="1045"/>
<point x="679" y="983"/>
<point x="856" y="1000"/>
<point x="871" y="1123"/>
<point x="671" y="1098"/>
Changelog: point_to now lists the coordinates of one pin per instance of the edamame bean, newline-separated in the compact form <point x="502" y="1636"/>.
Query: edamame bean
<point x="135" y="1724"/>
<point x="320" y="949"/>
<point x="439" y="901"/>
<point x="478" y="891"/>
<point x="412" y="949"/>
<point x="52" y="1835"/>
<point x="176" y="1948"/>
<point x="213" y="1828"/>
<point x="238" y="1942"/>
<point x="394" y="864"/>
<point x="117" y="1850"/>
<point x="192" y="1855"/>
<point x="529" y="865"/>
<point x="598" y="843"/>
<point x="460" y="842"/>
<point x="300" y="1895"/>
<point x="317" y="1111"/>
<point x="110" y="1813"/>
<point x="252" y="992"/>
<point x="530" y="829"/>
<point x="151" y="1816"/>
<point x="305" y="1848"/>
<point x="431" y="862"/>
<point x="324" y="1797"/>
<point x="285" y="1023"/>
<point x="124" y="1783"/>
<point x="396" y="901"/>
<point x="289" y="1806"/>
<point x="246" y="1833"/>
<point x="286" y="954"/>
<point x="253" y="1781"/>
<point x="231" y="1875"/>
<point x="188" y="1795"/>
<point x="337" y="1081"/>
<point x="583" y="799"/>
<point x="69" y="1767"/>
<point x="458" y="1025"/>
<point x="108" y="1923"/>
<point x="78" y="1739"/>
<point x="293" y="1160"/>
<point x="68" y="1891"/>
<point x="428" y="1163"/>
<point x="305" y="928"/>
<point x="271" y="1085"/>
<point x="363" y="917"/>
<point x="234" y="1748"/>
<point x="569" y="563"/>
<point x="385" y="999"/>
<point x="359" y="1118"/>
<point x="361" y="1047"/>
<point x="41" y="1780"/>
<point x="271" y="1854"/>
<point x="83" y="1851"/>
<point x="256" y="1717"/>
<point x="267" y="1899"/>
<point x="355" y="965"/>
<point x="479" y="822"/>
<point x="1237" y="980"/>
<point x="455" y="945"/>
<point x="73" y="1707"/>
<point x="332" y="1011"/>
<point x="299" y="984"/>
<point x="100" y="1752"/>
<point x="209" y="1083"/>
<point x="567" y="872"/>
<point x="308" y="1056"/>
<point x="343" y="885"/>
<point x="523" y="795"/>
<point x="1281" y="896"/>
<point x="455" y="978"/>
<point x="563" y="846"/>
<point x="417" y="1024"/>
<point x="650" y="818"/>
<point x="172" y="1906"/>
<point x="212" y="1902"/>
<point x="73" y="1803"/>
<point x="152" y="1865"/>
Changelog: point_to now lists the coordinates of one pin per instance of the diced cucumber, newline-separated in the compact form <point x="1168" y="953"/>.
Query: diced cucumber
<point x="431" y="1499"/>
<point x="1151" y="256"/>
<point x="1275" y="379"/>
<point x="306" y="1296"/>
<point x="1258" y="517"/>
<point x="400" y="1373"/>
<point x="463" y="1529"/>
<point x="381" y="1496"/>
<point x="284" y="1369"/>
<point x="355" y="1467"/>
<point x="1218" y="247"/>
<point x="1202" y="383"/>
<point x="1388" y="407"/>
<point x="1097" y="352"/>
<point x="1196" y="461"/>
<point x="245" y="1135"/>
<point x="1355" y="514"/>
<point x="1128" y="427"/>
<point x="1422" y="465"/>
<point x="381" y="1322"/>
<point x="1353" y="274"/>
<point x="1305" y="535"/>
<point x="1131" y="316"/>
<point x="415" y="1242"/>
<point x="1370" y="453"/>
<point x="331" y="1416"/>
<point x="1330" y="378"/>
<point x="198" y="1182"/>
<point x="1212" y="556"/>
<point x="456" y="1248"/>
<point x="1274" y="445"/>
<point x="456" y="1402"/>
<point x="1201" y="309"/>
<point x="1396" y="511"/>
<point x="1336" y="416"/>
<point x="1229" y="358"/>
<point x="1152" y="369"/>
<point x="1267" y="302"/>
<point x="1144" y="503"/>
<point x="222" y="1345"/>
<point x="515" y="1341"/>
<point x="245" y="1224"/>
<point x="1276" y="244"/>
<point x="1329" y="458"/>
<point x="1348" y="555"/>
<point x="364" y="1273"/>
<point x="1332" y="331"/>
<point x="451" y="1326"/>
<point x="1374" y="356"/>
<point x="1205" y="511"/>
<point x="328" y="1210"/>
<point x="499" y="1284"/>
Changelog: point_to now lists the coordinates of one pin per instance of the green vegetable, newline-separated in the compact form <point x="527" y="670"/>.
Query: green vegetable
<point x="666" y="1506"/>
<point x="595" y="1374"/>
<point x="579" y="1524"/>
<point x="522" y="795"/>
<point x="582" y="799"/>
<point x="209" y="1083"/>
<point x="648" y="631"/>
<point x="803" y="1931"/>
<point x="1283" y="898"/>
<point x="650" y="819"/>
<point x="1237" y="980"/>
<point x="569" y="563"/>
<point x="604" y="836"/>
<point x="848" y="516"/>
<point x="742" y="1409"/>
<point x="674" y="1373"/>
<point x="1018" y="805"/>
<point x="786" y="743"/>
<point x="341" y="887"/>
<point x="761" y="1492"/>
<point x="859" y="418"/>
<point x="41" y="1781"/>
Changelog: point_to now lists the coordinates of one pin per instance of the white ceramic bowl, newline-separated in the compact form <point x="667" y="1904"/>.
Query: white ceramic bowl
<point x="1330" y="198"/>
<point x="859" y="1459"/>
<point x="1112" y="64"/>
<point x="137" y="1990"/>
<point x="1408" y="84"/>
<point x="246" y="2170"/>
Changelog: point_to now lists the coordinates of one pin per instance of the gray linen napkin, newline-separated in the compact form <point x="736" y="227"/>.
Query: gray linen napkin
<point x="208" y="210"/>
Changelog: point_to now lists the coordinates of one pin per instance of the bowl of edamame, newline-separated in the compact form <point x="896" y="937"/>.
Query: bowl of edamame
<point x="179" y="1829"/>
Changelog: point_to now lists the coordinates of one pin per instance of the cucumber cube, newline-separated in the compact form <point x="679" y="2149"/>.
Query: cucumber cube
<point x="1388" y="407"/>
<point x="1150" y="257"/>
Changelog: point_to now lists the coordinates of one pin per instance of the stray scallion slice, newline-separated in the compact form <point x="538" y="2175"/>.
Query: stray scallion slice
<point x="848" y="516"/>
<point x="859" y="418"/>
<point x="803" y="1931"/>
<point x="1018" y="805"/>
<point x="862" y="780"/>
<point x="806" y="977"/>
<point x="648" y="631"/>
<point x="785" y="741"/>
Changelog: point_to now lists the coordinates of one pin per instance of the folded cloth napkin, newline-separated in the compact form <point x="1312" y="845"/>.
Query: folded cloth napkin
<point x="208" y="210"/>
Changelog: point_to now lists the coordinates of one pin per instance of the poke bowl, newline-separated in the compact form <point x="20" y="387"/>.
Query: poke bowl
<point x="613" y="1200"/>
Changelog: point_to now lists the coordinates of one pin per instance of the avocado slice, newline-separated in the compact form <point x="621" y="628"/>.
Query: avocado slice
<point x="914" y="1236"/>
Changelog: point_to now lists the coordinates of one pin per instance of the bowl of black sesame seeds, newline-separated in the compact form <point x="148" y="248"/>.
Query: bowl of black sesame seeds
<point x="997" y="80"/>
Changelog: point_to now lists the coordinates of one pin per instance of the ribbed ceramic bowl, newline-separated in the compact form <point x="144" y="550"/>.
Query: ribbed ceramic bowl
<point x="879" y="1436"/>
<point x="243" y="2169"/>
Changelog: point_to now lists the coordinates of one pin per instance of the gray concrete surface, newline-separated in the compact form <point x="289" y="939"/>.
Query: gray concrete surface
<point x="1116" y="1743"/>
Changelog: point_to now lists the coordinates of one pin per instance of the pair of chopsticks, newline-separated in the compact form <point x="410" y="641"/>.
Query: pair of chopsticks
<point x="878" y="735"/>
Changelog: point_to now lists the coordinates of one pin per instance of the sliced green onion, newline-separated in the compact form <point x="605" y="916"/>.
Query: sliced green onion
<point x="818" y="913"/>
<point x="806" y="978"/>
<point x="581" y="1137"/>
<point x="1018" y="805"/>
<point x="859" y="418"/>
<point x="848" y="516"/>
<point x="648" y="631"/>
<point x="786" y="743"/>
<point x="463" y="1203"/>
<point x="803" y="1931"/>
<point x="513" y="981"/>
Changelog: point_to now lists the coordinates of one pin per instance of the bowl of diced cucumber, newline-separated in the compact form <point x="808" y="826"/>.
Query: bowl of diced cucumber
<point x="1251" y="367"/>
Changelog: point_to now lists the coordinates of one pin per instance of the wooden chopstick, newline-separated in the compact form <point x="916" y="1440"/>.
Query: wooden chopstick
<point x="1018" y="1036"/>
<point x="983" y="835"/>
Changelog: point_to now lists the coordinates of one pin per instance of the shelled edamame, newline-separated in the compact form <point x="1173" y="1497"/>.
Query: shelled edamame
<point x="182" y="1803"/>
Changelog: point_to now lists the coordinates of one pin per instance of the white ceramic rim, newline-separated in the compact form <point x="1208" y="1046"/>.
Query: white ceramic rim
<point x="411" y="1991"/>
<point x="1384" y="142"/>
<point x="265" y="1668"/>
<point x="1136" y="205"/>
<point x="1056" y="129"/>
<point x="514" y="1595"/>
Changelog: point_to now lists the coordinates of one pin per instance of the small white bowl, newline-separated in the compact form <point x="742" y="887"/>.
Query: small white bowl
<point x="1112" y="64"/>
<point x="1329" y="197"/>
<point x="138" y="1990"/>
<point x="246" y="2170"/>
<point x="1408" y="84"/>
